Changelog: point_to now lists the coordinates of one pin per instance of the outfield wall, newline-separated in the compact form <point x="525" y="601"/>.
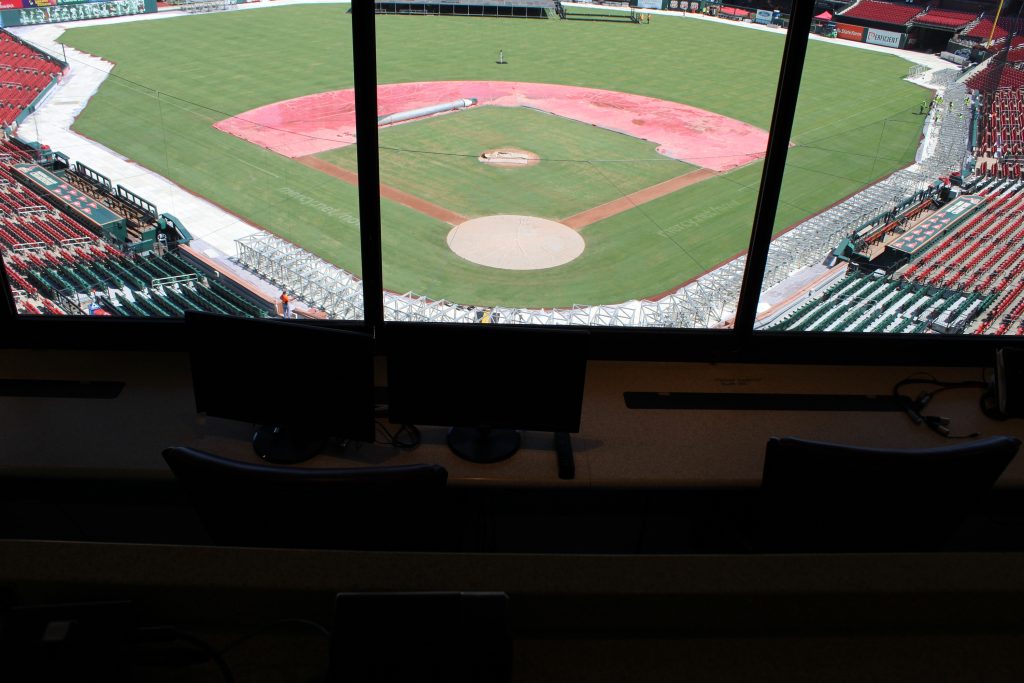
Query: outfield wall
<point x="31" y="12"/>
<point x="872" y="36"/>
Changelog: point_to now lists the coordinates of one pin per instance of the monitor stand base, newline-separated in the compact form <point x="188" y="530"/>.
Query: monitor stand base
<point x="564" y="455"/>
<point x="286" y="445"/>
<point x="482" y="444"/>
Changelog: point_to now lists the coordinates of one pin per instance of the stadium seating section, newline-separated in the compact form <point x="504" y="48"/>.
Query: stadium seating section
<point x="24" y="74"/>
<point x="57" y="265"/>
<point x="883" y="12"/>
<point x="1001" y="128"/>
<point x="983" y="29"/>
<point x="865" y="303"/>
<point x="996" y="74"/>
<point x="945" y="18"/>
<point x="971" y="281"/>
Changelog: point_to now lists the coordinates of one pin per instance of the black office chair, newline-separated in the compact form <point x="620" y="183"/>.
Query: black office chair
<point x="823" y="497"/>
<point x="373" y="508"/>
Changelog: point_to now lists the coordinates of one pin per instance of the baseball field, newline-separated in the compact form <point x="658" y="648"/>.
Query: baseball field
<point x="652" y="217"/>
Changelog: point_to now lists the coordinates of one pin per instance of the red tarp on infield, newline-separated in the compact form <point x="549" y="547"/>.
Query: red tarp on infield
<point x="317" y="123"/>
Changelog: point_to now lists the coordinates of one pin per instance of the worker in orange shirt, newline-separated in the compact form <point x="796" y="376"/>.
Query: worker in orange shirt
<point x="286" y="308"/>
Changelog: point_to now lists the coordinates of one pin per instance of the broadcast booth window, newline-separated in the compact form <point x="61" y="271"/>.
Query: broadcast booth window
<point x="191" y="184"/>
<point x="820" y="183"/>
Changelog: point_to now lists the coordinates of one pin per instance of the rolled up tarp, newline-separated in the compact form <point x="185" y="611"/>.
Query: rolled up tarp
<point x="425" y="111"/>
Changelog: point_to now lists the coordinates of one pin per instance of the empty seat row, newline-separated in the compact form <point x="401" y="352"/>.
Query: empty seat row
<point x="885" y="12"/>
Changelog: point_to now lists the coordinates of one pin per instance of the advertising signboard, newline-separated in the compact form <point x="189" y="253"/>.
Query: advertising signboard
<point x="764" y="16"/>
<point x="850" y="32"/>
<point x="887" y="38"/>
<point x="51" y="11"/>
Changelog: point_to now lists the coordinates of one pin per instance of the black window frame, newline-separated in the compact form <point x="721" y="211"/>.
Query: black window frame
<point x="739" y="343"/>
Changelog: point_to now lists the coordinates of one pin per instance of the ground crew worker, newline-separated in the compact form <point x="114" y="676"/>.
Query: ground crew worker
<point x="285" y="305"/>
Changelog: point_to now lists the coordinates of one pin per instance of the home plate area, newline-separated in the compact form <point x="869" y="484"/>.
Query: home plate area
<point x="515" y="242"/>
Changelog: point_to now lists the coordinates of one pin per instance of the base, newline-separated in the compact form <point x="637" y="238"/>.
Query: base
<point x="286" y="445"/>
<point x="483" y="445"/>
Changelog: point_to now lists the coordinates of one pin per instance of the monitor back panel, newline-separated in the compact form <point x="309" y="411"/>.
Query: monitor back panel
<point x="272" y="372"/>
<point x="487" y="375"/>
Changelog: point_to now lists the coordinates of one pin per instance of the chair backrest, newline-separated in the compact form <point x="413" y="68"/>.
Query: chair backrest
<point x="368" y="508"/>
<point x="824" y="497"/>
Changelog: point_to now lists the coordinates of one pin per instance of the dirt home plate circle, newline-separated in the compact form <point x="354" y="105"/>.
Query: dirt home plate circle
<point x="515" y="242"/>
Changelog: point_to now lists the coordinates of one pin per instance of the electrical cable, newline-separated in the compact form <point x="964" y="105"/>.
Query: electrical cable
<point x="171" y="633"/>
<point x="914" y="406"/>
<point x="409" y="441"/>
<point x="266" y="628"/>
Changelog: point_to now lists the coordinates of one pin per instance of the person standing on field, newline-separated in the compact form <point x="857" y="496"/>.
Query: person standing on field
<point x="286" y="308"/>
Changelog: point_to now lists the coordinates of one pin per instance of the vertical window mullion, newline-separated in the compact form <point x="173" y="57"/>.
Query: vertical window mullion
<point x="364" y="56"/>
<point x="8" y="312"/>
<point x="793" y="55"/>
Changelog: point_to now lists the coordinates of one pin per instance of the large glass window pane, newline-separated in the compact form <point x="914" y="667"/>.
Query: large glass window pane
<point x="542" y="163"/>
<point x="912" y="146"/>
<point x="187" y="169"/>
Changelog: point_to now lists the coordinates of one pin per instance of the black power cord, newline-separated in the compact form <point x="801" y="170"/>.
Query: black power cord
<point x="406" y="437"/>
<point x="914" y="406"/>
<point x="154" y="634"/>
<point x="270" y="628"/>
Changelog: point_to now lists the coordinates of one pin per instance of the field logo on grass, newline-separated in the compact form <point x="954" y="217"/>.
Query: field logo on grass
<point x="699" y="219"/>
<point x="327" y="209"/>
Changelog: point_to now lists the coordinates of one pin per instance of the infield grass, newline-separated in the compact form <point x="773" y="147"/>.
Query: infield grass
<point x="580" y="166"/>
<point x="854" y="125"/>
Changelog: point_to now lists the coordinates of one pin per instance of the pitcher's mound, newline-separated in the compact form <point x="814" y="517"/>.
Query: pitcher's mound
<point x="515" y="242"/>
<point x="508" y="156"/>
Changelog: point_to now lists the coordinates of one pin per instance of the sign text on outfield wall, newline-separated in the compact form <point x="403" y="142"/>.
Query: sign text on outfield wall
<point x="39" y="12"/>
<point x="764" y="16"/>
<point x="850" y="32"/>
<point x="887" y="38"/>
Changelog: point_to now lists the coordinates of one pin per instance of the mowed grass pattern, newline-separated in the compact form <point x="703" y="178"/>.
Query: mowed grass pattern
<point x="580" y="166"/>
<point x="854" y="125"/>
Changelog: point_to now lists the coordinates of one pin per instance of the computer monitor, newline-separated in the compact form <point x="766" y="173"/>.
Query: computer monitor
<point x="486" y="382"/>
<point x="300" y="384"/>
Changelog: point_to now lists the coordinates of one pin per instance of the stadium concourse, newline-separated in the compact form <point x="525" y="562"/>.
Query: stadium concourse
<point x="897" y="293"/>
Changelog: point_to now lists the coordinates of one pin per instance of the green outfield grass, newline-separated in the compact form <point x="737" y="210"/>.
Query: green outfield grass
<point x="437" y="159"/>
<point x="855" y="124"/>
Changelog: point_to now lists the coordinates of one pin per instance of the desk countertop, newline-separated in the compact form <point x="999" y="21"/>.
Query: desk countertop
<point x="615" y="447"/>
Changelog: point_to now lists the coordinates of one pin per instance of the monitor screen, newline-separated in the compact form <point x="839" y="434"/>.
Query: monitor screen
<point x="293" y="376"/>
<point x="508" y="377"/>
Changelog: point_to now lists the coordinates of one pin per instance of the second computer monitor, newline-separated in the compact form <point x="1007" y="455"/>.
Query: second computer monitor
<point x="487" y="382"/>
